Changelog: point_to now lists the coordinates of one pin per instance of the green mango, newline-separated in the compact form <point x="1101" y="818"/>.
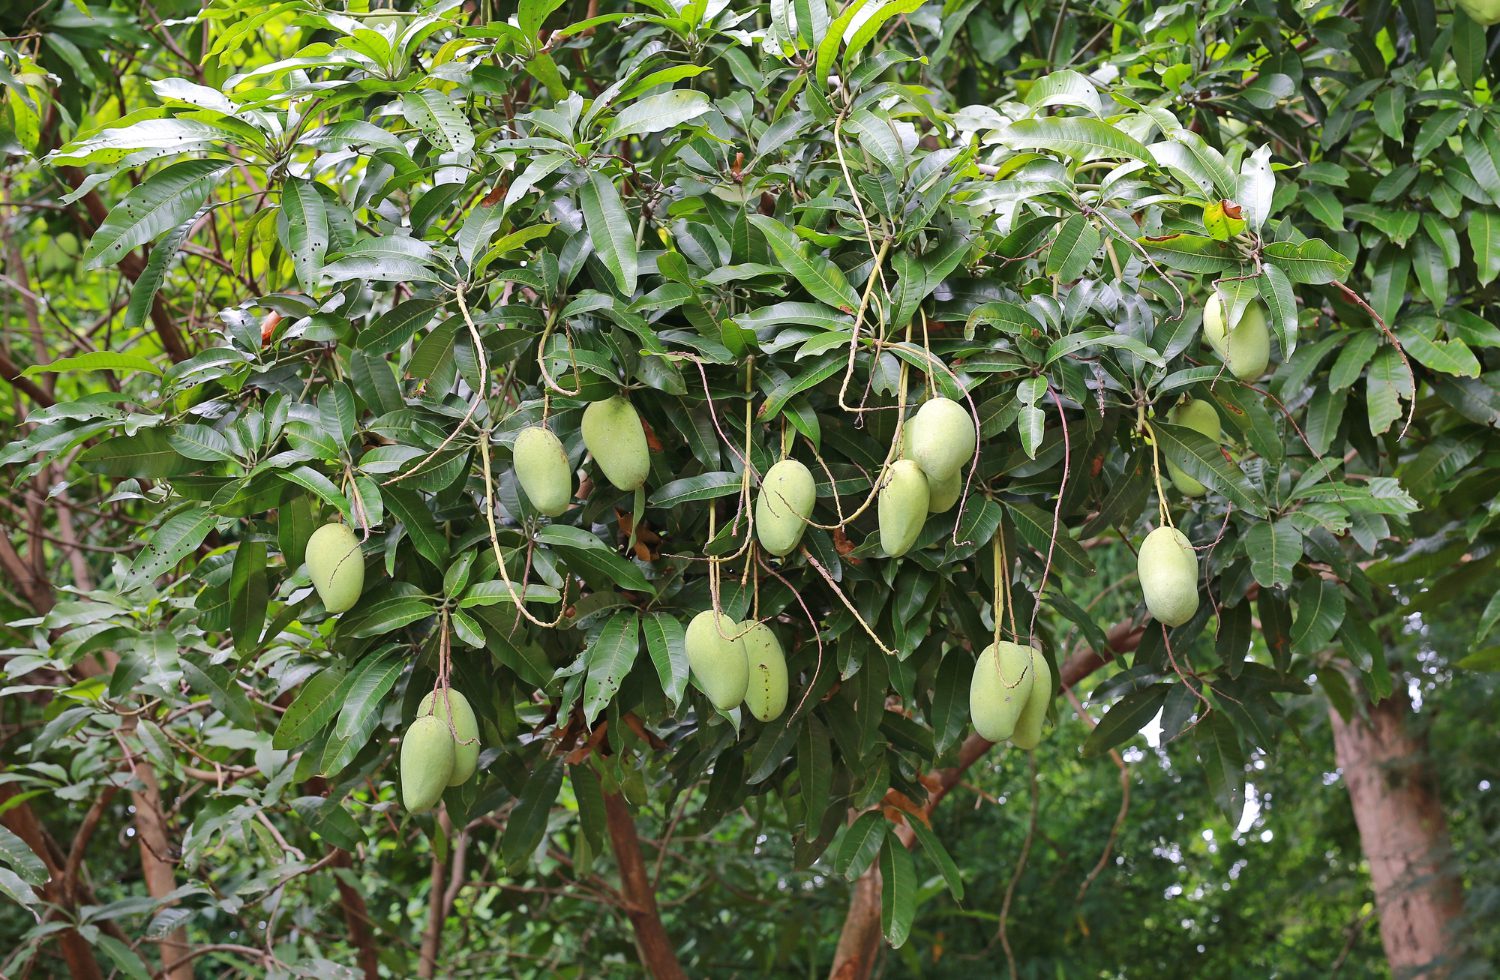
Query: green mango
<point x="902" y="507"/>
<point x="1244" y="347"/>
<point x="465" y="726"/>
<point x="613" y="435"/>
<point x="787" y="495"/>
<point x="1028" y="731"/>
<point x="1200" y="417"/>
<point x="336" y="567"/>
<point x="1000" y="689"/>
<point x="427" y="752"/>
<point x="1168" y="572"/>
<point x="765" y="693"/>
<point x="943" y="494"/>
<point x="542" y="469"/>
<point x="717" y="657"/>
<point x="1485" y="13"/>
<point x="940" y="438"/>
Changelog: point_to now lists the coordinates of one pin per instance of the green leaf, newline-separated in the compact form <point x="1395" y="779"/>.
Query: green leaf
<point x="817" y="274"/>
<point x="143" y="292"/>
<point x="222" y="689"/>
<point x="705" y="486"/>
<point x="311" y="711"/>
<point x="610" y="230"/>
<point x="169" y="544"/>
<point x="1075" y="136"/>
<point x="440" y="121"/>
<point x="1281" y="306"/>
<point x="859" y="845"/>
<point x="1312" y="262"/>
<point x="828" y="48"/>
<point x="98" y="360"/>
<point x="1320" y="613"/>
<point x="1073" y="249"/>
<point x="247" y="596"/>
<point x="388" y="615"/>
<point x="1125" y="718"/>
<point x="1274" y="550"/>
<point x="658" y="112"/>
<point x="1223" y="763"/>
<point x="1190" y="253"/>
<point x="664" y="640"/>
<point x="304" y="218"/>
<point x="153" y="207"/>
<point x="608" y="659"/>
<point x="1387" y="382"/>
<point x="591" y="557"/>
<point x="527" y="823"/>
<point x="1484" y="238"/>
<point x="19" y="858"/>
<point x="934" y="849"/>
<point x="361" y="693"/>
<point x="898" y="891"/>
<point x="1201" y="458"/>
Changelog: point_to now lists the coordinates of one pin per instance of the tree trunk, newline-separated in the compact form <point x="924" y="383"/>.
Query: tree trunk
<point x="156" y="865"/>
<point x="859" y="940"/>
<point x="1404" y="836"/>
<point x="651" y="940"/>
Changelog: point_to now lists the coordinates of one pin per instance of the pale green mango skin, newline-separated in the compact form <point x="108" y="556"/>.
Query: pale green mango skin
<point x="1000" y="689"/>
<point x="613" y="435"/>
<point x="542" y="469"/>
<point x="465" y="725"/>
<point x="719" y="663"/>
<point x="765" y="694"/>
<point x="336" y="567"/>
<point x="902" y="507"/>
<point x="1028" y="732"/>
<point x="787" y="495"/>
<point x="1485" y="13"/>
<point x="943" y="494"/>
<point x="1168" y="571"/>
<point x="1246" y="347"/>
<point x="1200" y="417"/>
<point x="426" y="763"/>
<point x="940" y="438"/>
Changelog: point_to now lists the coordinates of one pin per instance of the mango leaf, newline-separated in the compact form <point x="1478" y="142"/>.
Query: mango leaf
<point x="608" y="659"/>
<point x="610" y="230"/>
<point x="527" y="823"/>
<point x="153" y="207"/>
<point x="898" y="891"/>
<point x="817" y="274"/>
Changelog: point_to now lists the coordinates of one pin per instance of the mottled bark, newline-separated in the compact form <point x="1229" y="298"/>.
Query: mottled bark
<point x="1404" y="835"/>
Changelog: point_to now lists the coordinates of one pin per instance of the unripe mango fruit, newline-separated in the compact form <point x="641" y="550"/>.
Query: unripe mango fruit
<point x="1028" y="732"/>
<point x="1000" y="689"/>
<point x="613" y="435"/>
<point x="1485" y="13"/>
<point x="717" y="657"/>
<point x="943" y="494"/>
<point x="940" y="438"/>
<point x="765" y="693"/>
<point x="1200" y="417"/>
<point x="1168" y="571"/>
<point x="1244" y="347"/>
<point x="426" y="762"/>
<point x="902" y="507"/>
<point x="465" y="727"/>
<point x="542" y="469"/>
<point x="336" y="567"/>
<point x="787" y="494"/>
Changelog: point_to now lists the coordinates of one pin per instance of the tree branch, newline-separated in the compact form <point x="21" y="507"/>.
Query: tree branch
<point x="652" y="944"/>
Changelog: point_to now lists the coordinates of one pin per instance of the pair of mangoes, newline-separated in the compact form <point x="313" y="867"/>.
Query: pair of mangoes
<point x="736" y="663"/>
<point x="1009" y="694"/>
<point x="440" y="749"/>
<point x="928" y="478"/>
<point x="613" y="435"/>
<point x="1244" y="346"/>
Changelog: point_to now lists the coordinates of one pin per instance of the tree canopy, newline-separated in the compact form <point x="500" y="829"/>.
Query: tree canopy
<point x="271" y="266"/>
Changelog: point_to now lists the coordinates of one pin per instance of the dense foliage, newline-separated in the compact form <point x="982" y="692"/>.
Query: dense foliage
<point x="332" y="263"/>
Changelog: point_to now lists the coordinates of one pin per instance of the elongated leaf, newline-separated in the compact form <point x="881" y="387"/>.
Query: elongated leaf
<point x="1076" y="136"/>
<point x="608" y="659"/>
<point x="527" y="824"/>
<point x="593" y="557"/>
<point x="860" y="843"/>
<point x="664" y="640"/>
<point x="898" y="892"/>
<point x="1201" y="458"/>
<point x="1274" y="550"/>
<point x="1073" y="249"/>
<point x="169" y="544"/>
<point x="610" y="230"/>
<point x="16" y="855"/>
<point x="1313" y="261"/>
<point x="222" y="689"/>
<point x="98" y="360"/>
<point x="158" y="204"/>
<point x="363" y="690"/>
<point x="439" y="119"/>
<point x="817" y="274"/>
<point x="312" y="709"/>
<point x="655" y="113"/>
<point x="1223" y="763"/>
<point x="1125" y="718"/>
<point x="304" y="217"/>
<point x="934" y="849"/>
<point x="247" y="596"/>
